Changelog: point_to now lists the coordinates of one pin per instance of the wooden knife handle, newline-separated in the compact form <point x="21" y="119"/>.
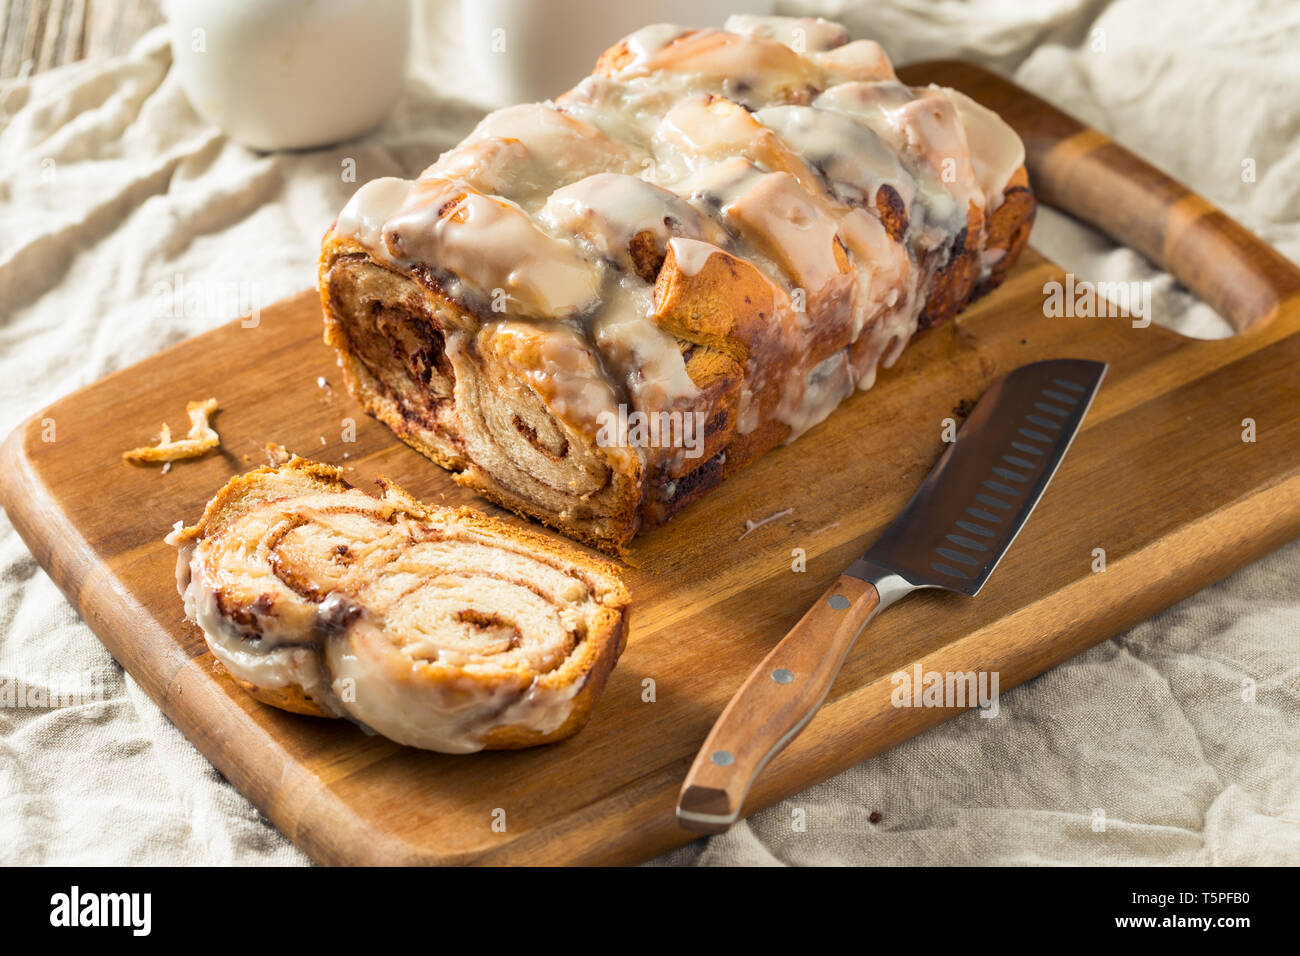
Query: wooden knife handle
<point x="1081" y="171"/>
<point x="773" y="705"/>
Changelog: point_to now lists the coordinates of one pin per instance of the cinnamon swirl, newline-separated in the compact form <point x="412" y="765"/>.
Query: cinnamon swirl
<point x="438" y="628"/>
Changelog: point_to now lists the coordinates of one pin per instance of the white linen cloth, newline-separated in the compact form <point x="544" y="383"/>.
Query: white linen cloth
<point x="111" y="185"/>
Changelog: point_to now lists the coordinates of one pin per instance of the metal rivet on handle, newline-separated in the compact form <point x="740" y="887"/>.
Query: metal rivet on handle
<point x="838" y="601"/>
<point x="723" y="758"/>
<point x="782" y="676"/>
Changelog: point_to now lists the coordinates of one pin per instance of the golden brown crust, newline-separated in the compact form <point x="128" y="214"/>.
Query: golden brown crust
<point x="613" y="59"/>
<point x="597" y="667"/>
<point x="954" y="272"/>
<point x="292" y="698"/>
<point x="299" y="476"/>
<point x="720" y="380"/>
<point x="1008" y="229"/>
<point x="726" y="304"/>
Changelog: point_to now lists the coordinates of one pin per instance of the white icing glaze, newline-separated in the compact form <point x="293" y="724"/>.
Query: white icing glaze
<point x="691" y="254"/>
<point x="561" y="367"/>
<point x="624" y="109"/>
<point x="260" y="661"/>
<point x="560" y="148"/>
<point x="747" y="412"/>
<point x="827" y="384"/>
<point x="996" y="151"/>
<point x="884" y="272"/>
<point x="369" y="208"/>
<point x="644" y="356"/>
<point x="853" y="158"/>
<point x="699" y="130"/>
<point x="749" y="68"/>
<point x="770" y="139"/>
<point x="647" y="42"/>
<point x="781" y="219"/>
<point x="801" y="34"/>
<point x="860" y="60"/>
<point x="927" y="135"/>
<point x="493" y="245"/>
<point x="989" y="259"/>
<point x="606" y="211"/>
<point x="446" y="715"/>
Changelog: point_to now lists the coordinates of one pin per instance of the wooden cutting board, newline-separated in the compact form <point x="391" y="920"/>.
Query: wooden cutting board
<point x="1160" y="478"/>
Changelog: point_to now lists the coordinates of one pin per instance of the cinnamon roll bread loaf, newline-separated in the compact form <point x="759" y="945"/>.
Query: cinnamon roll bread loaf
<point x="438" y="628"/>
<point x="594" y="310"/>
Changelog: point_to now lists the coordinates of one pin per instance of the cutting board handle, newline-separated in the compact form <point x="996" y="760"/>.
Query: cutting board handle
<point x="1081" y="171"/>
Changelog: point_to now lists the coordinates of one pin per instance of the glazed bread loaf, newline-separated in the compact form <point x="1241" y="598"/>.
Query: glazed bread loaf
<point x="436" y="627"/>
<point x="594" y="310"/>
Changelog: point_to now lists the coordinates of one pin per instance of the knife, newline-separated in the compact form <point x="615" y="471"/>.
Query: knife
<point x="950" y="535"/>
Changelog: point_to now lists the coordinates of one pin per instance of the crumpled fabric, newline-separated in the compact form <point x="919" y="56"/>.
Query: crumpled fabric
<point x="1176" y="742"/>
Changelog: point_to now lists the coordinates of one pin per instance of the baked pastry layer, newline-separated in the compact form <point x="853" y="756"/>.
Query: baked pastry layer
<point x="594" y="310"/>
<point x="438" y="628"/>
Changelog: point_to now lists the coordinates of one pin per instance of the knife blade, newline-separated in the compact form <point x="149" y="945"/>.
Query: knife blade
<point x="950" y="535"/>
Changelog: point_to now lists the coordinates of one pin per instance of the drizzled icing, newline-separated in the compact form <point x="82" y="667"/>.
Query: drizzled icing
<point x="643" y="355"/>
<point x="445" y="223"/>
<point x="543" y="147"/>
<point x="770" y="140"/>
<point x="996" y="152"/>
<point x="801" y="34"/>
<point x="691" y="254"/>
<point x="649" y="41"/>
<point x="607" y="212"/>
<point x="370" y="208"/>
<point x="854" y="159"/>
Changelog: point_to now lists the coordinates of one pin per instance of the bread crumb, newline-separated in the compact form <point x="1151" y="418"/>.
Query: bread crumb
<point x="277" y="455"/>
<point x="200" y="439"/>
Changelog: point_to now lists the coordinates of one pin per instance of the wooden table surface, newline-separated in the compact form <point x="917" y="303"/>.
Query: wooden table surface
<point x="38" y="35"/>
